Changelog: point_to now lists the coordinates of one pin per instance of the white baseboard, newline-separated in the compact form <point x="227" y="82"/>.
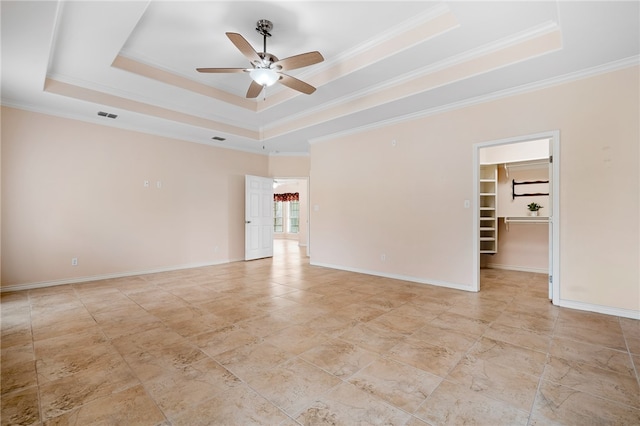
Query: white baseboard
<point x="517" y="268"/>
<point x="291" y="237"/>
<point x="77" y="280"/>
<point x="571" y="304"/>
<point x="438" y="283"/>
<point x="607" y="310"/>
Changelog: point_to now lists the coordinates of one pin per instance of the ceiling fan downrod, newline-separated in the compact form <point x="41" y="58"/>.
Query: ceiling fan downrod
<point x="263" y="26"/>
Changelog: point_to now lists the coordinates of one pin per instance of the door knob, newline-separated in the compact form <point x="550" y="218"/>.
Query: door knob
<point x="247" y="221"/>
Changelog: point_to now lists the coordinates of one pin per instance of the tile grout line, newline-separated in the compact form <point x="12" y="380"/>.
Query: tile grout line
<point x="246" y="279"/>
<point x="35" y="359"/>
<point x="626" y="342"/>
<point x="112" y="346"/>
<point x="443" y="379"/>
<point x="540" y="379"/>
<point x="586" y="392"/>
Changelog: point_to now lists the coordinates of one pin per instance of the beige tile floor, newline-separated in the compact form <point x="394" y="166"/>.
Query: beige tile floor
<point x="280" y="342"/>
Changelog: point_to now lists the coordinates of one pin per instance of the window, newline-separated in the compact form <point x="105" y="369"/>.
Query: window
<point x="286" y="217"/>
<point x="278" y="218"/>
<point x="294" y="215"/>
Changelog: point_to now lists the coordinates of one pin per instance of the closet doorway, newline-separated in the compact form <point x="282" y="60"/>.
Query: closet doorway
<point x="516" y="219"/>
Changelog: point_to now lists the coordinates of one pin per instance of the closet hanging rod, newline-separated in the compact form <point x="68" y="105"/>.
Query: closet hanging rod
<point x="525" y="164"/>
<point x="528" y="163"/>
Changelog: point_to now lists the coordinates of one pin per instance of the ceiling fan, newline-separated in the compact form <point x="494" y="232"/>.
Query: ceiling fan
<point x="266" y="68"/>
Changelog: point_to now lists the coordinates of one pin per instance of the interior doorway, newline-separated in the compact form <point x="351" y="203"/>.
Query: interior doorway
<point x="291" y="210"/>
<point x="511" y="176"/>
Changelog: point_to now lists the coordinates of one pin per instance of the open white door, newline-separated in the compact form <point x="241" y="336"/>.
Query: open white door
<point x="258" y="229"/>
<point x="551" y="221"/>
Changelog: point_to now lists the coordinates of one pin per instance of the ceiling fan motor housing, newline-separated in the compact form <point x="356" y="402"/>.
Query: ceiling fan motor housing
<point x="267" y="60"/>
<point x="263" y="26"/>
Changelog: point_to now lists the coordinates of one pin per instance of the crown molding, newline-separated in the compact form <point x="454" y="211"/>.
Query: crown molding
<point x="567" y="78"/>
<point x="464" y="57"/>
<point x="123" y="94"/>
<point x="388" y="35"/>
<point x="555" y="81"/>
<point x="288" y="154"/>
<point x="120" y="125"/>
<point x="150" y="70"/>
<point x="54" y="35"/>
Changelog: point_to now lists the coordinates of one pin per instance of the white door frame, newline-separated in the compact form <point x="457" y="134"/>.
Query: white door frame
<point x="308" y="216"/>
<point x="554" y="219"/>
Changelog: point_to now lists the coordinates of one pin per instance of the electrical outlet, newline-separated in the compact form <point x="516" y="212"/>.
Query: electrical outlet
<point x="145" y="184"/>
<point x="74" y="261"/>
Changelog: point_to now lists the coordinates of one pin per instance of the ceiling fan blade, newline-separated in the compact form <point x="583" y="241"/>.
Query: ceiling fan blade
<point x="299" y="61"/>
<point x="254" y="90"/>
<point x="244" y="47"/>
<point x="295" y="84"/>
<point x="220" y="70"/>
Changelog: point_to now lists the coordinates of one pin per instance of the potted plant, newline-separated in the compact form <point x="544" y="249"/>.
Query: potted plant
<point x="533" y="208"/>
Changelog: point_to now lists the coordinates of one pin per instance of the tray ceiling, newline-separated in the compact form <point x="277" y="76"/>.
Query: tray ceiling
<point x="384" y="60"/>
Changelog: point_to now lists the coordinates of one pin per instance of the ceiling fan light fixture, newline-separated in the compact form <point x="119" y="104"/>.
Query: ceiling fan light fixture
<point x="266" y="69"/>
<point x="264" y="76"/>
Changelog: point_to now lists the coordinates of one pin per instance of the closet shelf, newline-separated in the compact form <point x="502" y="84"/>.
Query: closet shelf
<point x="525" y="219"/>
<point x="488" y="217"/>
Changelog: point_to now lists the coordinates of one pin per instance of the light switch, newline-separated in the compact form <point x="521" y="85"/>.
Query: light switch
<point x="467" y="204"/>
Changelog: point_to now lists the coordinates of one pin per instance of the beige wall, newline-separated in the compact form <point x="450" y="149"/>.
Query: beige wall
<point x="73" y="189"/>
<point x="407" y="201"/>
<point x="521" y="247"/>
<point x="289" y="166"/>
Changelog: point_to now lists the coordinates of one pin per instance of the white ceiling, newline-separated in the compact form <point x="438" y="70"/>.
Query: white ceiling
<point x="383" y="60"/>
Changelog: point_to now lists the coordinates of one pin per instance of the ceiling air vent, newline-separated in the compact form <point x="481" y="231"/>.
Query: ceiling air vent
<point x="106" y="114"/>
<point x="218" y="138"/>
